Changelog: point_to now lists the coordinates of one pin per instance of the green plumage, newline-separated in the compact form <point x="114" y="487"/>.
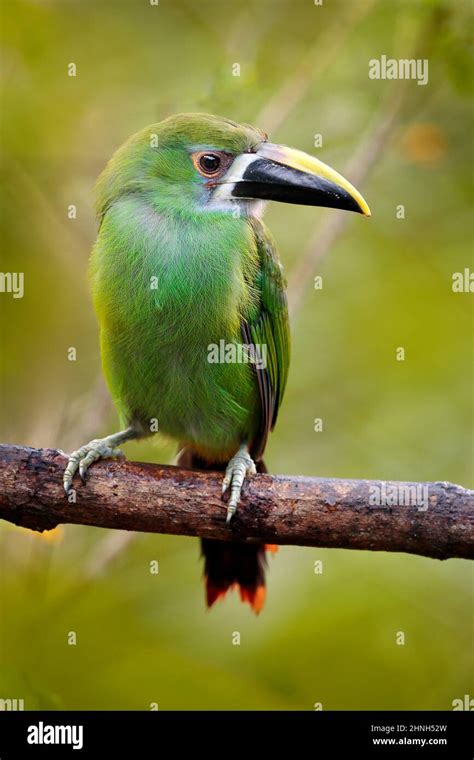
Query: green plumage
<point x="184" y="273"/>
<point x="172" y="275"/>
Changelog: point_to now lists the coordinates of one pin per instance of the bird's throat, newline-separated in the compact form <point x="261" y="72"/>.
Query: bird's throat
<point x="185" y="275"/>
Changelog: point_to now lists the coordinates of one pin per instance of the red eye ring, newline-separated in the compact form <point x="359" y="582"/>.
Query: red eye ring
<point x="211" y="163"/>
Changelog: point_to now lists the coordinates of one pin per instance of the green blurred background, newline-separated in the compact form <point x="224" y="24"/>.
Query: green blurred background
<point x="325" y="638"/>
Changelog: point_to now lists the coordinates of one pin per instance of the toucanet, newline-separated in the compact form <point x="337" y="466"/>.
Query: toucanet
<point x="190" y="298"/>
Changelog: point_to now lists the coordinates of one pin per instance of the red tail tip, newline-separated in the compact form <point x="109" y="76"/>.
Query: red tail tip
<point x="253" y="595"/>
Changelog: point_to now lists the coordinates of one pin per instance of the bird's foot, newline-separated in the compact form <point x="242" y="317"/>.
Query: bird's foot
<point x="99" y="448"/>
<point x="240" y="466"/>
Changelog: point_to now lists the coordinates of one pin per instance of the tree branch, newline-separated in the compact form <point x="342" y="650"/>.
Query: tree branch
<point x="275" y="509"/>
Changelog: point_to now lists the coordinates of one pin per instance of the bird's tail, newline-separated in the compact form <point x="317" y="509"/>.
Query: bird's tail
<point x="228" y="564"/>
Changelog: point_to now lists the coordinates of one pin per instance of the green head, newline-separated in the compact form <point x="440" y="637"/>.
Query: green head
<point x="196" y="163"/>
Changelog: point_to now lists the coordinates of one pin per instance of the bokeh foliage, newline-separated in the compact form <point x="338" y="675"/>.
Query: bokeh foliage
<point x="327" y="637"/>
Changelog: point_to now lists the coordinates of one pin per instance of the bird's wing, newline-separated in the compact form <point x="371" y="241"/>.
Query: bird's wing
<point x="269" y="327"/>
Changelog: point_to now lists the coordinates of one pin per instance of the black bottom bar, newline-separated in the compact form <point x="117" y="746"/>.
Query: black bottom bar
<point x="150" y="734"/>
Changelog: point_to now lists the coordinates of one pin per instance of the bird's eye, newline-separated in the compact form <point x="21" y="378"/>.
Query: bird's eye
<point x="211" y="164"/>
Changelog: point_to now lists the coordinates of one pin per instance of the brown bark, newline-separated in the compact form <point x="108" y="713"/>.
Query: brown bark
<point x="274" y="509"/>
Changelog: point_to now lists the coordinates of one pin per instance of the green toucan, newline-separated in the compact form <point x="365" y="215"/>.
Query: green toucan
<point x="191" y="302"/>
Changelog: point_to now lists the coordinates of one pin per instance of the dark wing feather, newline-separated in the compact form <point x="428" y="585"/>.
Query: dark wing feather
<point x="269" y="327"/>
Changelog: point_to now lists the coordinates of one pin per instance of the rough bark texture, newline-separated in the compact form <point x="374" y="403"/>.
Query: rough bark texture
<point x="274" y="509"/>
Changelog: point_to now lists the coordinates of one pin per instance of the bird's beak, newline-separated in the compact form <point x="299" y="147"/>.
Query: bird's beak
<point x="279" y="173"/>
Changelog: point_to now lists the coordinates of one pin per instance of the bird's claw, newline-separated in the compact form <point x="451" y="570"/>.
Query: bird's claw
<point x="240" y="466"/>
<point x="82" y="459"/>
